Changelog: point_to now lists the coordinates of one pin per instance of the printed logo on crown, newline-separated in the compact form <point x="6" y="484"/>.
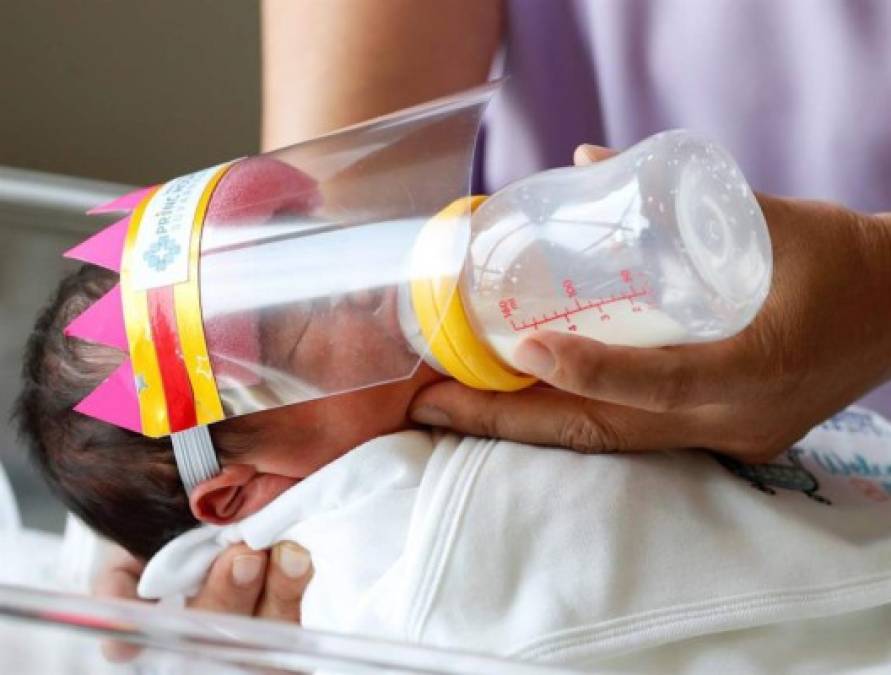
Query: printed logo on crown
<point x="162" y="253"/>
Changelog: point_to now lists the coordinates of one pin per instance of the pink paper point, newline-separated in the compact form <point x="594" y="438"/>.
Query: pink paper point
<point x="114" y="401"/>
<point x="126" y="202"/>
<point x="104" y="248"/>
<point x="102" y="322"/>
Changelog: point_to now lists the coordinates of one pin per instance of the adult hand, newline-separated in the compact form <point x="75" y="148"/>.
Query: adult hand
<point x="822" y="339"/>
<point x="241" y="581"/>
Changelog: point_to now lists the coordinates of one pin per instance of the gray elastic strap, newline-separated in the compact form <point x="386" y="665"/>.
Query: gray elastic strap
<point x="195" y="456"/>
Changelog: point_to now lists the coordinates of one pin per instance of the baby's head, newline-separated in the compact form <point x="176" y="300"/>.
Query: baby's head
<point x="126" y="486"/>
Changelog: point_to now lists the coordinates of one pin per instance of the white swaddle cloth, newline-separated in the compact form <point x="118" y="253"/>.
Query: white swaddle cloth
<point x="559" y="557"/>
<point x="354" y="509"/>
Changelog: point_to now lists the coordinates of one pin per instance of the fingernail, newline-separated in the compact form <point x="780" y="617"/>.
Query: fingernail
<point x="246" y="569"/>
<point x="292" y="560"/>
<point x="428" y="414"/>
<point x="585" y="154"/>
<point x="534" y="358"/>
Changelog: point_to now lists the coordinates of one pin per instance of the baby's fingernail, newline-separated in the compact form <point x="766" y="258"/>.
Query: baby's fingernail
<point x="246" y="569"/>
<point x="534" y="358"/>
<point x="428" y="414"/>
<point x="292" y="560"/>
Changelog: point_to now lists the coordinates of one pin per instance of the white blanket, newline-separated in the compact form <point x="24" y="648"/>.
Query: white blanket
<point x="553" y="556"/>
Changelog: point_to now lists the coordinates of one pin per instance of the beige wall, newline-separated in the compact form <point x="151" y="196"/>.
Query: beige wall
<point x="131" y="91"/>
<point x="127" y="90"/>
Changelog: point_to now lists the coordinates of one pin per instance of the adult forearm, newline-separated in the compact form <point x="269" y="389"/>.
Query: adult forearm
<point x="875" y="234"/>
<point x="330" y="63"/>
<point x="821" y="340"/>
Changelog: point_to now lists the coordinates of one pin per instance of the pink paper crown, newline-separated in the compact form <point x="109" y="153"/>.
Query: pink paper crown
<point x="115" y="400"/>
<point x="255" y="190"/>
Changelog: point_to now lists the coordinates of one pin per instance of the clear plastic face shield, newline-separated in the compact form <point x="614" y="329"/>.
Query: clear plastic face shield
<point x="284" y="277"/>
<point x="346" y="261"/>
<point x="302" y="278"/>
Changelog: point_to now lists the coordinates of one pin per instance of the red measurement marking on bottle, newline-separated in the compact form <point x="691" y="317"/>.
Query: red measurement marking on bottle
<point x="637" y="309"/>
<point x="569" y="288"/>
<point x="507" y="306"/>
<point x="580" y="306"/>
<point x="570" y="325"/>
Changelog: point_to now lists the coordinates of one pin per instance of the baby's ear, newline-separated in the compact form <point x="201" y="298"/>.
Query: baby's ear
<point x="220" y="500"/>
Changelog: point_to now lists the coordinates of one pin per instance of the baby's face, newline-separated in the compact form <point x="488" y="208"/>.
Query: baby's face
<point x="331" y="346"/>
<point x="334" y="345"/>
<point x="333" y="351"/>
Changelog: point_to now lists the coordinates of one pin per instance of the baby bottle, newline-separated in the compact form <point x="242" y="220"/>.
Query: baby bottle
<point x="661" y="245"/>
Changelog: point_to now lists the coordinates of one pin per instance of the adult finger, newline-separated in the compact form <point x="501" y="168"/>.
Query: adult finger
<point x="589" y="154"/>
<point x="118" y="580"/>
<point x="545" y="416"/>
<point x="234" y="583"/>
<point x="289" y="571"/>
<point x="655" y="379"/>
<point x="119" y="576"/>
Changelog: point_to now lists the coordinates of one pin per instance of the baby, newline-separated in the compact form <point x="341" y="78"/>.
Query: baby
<point x="454" y="541"/>
<point x="126" y="486"/>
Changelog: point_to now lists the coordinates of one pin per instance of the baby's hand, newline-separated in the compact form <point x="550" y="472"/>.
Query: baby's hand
<point x="241" y="581"/>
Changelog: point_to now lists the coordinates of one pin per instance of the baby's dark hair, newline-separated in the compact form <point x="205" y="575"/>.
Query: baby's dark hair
<point x="122" y="484"/>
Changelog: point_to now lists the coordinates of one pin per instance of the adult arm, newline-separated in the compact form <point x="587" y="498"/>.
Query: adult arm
<point x="330" y="64"/>
<point x="822" y="339"/>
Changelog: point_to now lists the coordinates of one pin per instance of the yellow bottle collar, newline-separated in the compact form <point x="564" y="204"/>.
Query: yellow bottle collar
<point x="443" y="319"/>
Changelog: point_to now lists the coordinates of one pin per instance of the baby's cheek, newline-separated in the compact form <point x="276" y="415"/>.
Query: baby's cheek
<point x="312" y="359"/>
<point x="347" y="348"/>
<point x="370" y="348"/>
<point x="344" y="350"/>
<point x="278" y="338"/>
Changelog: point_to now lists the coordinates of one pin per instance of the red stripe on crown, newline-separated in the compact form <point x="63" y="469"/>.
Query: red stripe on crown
<point x="177" y="388"/>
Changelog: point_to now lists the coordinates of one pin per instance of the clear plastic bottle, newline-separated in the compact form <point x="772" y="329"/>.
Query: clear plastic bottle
<point x="660" y="245"/>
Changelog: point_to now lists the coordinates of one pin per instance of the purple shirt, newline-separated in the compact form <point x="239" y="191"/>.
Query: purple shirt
<point x="799" y="91"/>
